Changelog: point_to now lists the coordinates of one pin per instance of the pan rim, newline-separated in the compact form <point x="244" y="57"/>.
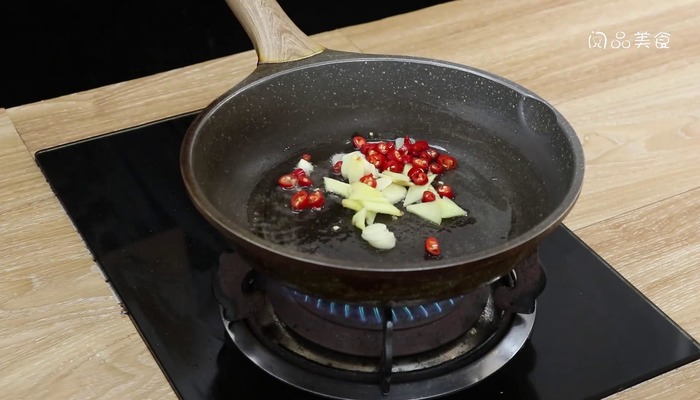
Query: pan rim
<point x="266" y="72"/>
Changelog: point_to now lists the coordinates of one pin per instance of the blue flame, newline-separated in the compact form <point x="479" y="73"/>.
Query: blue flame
<point x="373" y="315"/>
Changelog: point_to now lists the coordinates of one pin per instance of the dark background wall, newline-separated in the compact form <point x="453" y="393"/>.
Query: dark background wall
<point x="64" y="46"/>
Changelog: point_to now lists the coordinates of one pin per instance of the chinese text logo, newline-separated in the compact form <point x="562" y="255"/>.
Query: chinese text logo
<point x="639" y="40"/>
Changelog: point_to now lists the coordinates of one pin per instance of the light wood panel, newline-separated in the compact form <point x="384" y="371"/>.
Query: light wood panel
<point x="635" y="109"/>
<point x="62" y="334"/>
<point x="680" y="384"/>
<point x="77" y="116"/>
<point x="657" y="248"/>
<point x="275" y="37"/>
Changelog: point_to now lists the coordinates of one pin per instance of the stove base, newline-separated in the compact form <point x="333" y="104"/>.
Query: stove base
<point x="327" y="386"/>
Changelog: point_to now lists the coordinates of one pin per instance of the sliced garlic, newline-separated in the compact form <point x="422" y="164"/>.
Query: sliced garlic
<point x="371" y="215"/>
<point x="351" y="204"/>
<point x="353" y="167"/>
<point x="359" y="218"/>
<point x="399" y="179"/>
<point x="305" y="165"/>
<point x="364" y="191"/>
<point x="391" y="188"/>
<point x="335" y="186"/>
<point x="450" y="209"/>
<point x="430" y="211"/>
<point x="374" y="231"/>
<point x="378" y="236"/>
<point x="381" y="207"/>
<point x="383" y="182"/>
<point x="415" y="193"/>
<point x="394" y="193"/>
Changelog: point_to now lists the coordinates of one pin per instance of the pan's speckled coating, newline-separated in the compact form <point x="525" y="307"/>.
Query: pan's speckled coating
<point x="521" y="170"/>
<point x="521" y="165"/>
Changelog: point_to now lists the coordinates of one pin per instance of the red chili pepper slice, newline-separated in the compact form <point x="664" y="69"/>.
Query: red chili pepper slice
<point x="359" y="141"/>
<point x="432" y="246"/>
<point x="337" y="166"/>
<point x="370" y="180"/>
<point x="304" y="181"/>
<point x="436" y="168"/>
<point x="384" y="147"/>
<point x="428" y="196"/>
<point x="376" y="158"/>
<point x="300" y="200"/>
<point x="420" y="145"/>
<point x="424" y="155"/>
<point x="445" y="191"/>
<point x="448" y="162"/>
<point x="418" y="176"/>
<point x="432" y="153"/>
<point x="316" y="199"/>
<point x="287" y="181"/>
<point x="367" y="148"/>
<point x="394" y="154"/>
<point x="298" y="172"/>
<point x="420" y="163"/>
<point x="407" y="146"/>
<point x="393" y="166"/>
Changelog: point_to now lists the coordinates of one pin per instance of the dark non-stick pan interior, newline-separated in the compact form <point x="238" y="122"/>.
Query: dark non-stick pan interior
<point x="517" y="166"/>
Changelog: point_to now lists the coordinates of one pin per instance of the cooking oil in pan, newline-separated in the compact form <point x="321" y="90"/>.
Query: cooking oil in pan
<point x="328" y="232"/>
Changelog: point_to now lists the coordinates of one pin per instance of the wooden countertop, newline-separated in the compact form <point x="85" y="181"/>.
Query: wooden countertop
<point x="636" y="110"/>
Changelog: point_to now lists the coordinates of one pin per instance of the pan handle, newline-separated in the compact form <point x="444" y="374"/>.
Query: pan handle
<point x="275" y="37"/>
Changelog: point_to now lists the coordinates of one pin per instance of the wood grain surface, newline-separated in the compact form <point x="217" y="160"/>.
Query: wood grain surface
<point x="122" y="105"/>
<point x="275" y="37"/>
<point x="62" y="334"/>
<point x="636" y="111"/>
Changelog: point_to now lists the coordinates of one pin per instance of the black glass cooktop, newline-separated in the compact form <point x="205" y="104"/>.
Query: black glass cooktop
<point x="594" y="333"/>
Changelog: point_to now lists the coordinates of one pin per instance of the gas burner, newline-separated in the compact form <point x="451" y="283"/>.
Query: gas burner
<point x="364" y="351"/>
<point x="359" y="329"/>
<point x="302" y="374"/>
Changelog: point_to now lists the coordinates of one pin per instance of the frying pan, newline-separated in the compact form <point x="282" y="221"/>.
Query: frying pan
<point x="520" y="165"/>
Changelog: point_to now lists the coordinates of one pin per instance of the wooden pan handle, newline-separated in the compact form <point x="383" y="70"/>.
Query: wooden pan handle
<point x="275" y="37"/>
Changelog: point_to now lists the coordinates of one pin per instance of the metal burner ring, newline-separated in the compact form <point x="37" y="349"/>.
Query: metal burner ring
<point x="326" y="386"/>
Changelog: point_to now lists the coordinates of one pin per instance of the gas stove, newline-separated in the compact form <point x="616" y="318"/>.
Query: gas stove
<point x="366" y="350"/>
<point x="219" y="330"/>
